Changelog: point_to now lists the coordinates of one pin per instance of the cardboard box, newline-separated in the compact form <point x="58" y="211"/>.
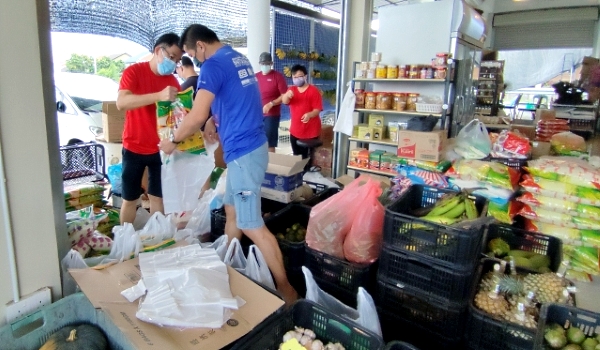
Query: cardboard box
<point x="281" y="196"/>
<point x="284" y="172"/>
<point x="376" y="120"/>
<point x="375" y="159"/>
<point x="586" y="68"/>
<point x="355" y="131"/>
<point x="525" y="130"/>
<point x="363" y="159"/>
<point x="103" y="288"/>
<point x="421" y="145"/>
<point x="113" y="122"/>
<point x="327" y="135"/>
<point x="365" y="132"/>
<point x="354" y="153"/>
<point x="540" y="149"/>
<point x="378" y="132"/>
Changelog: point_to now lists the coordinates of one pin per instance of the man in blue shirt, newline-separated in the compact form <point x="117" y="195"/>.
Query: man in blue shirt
<point x="227" y="87"/>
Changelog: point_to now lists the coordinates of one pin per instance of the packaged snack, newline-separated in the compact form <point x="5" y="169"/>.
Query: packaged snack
<point x="423" y="177"/>
<point x="561" y="190"/>
<point x="568" y="144"/>
<point x="509" y="144"/>
<point x="439" y="167"/>
<point x="567" y="234"/>
<point x="504" y="213"/>
<point x="558" y="218"/>
<point x="584" y="259"/>
<point x="569" y="170"/>
<point x="493" y="173"/>
<point x="560" y="205"/>
<point x="169" y="116"/>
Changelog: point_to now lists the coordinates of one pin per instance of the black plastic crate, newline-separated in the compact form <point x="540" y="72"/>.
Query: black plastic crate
<point x="433" y="280"/>
<point x="327" y="326"/>
<point x="399" y="345"/>
<point x="82" y="162"/>
<point x="293" y="252"/>
<point x="321" y="196"/>
<point x="587" y="321"/>
<point x="515" y="163"/>
<point x="398" y="328"/>
<point x="457" y="248"/>
<point x="296" y="278"/>
<point x="339" y="277"/>
<point x="436" y="315"/>
<point x="527" y="241"/>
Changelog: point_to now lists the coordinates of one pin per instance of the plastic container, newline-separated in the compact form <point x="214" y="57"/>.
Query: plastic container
<point x="528" y="241"/>
<point x="428" y="108"/>
<point x="327" y="326"/>
<point x="399" y="345"/>
<point x="456" y="248"/>
<point x="411" y="101"/>
<point x="82" y="162"/>
<point x="360" y="98"/>
<point x="585" y="320"/>
<point x="320" y="197"/>
<point x="293" y="252"/>
<point x="381" y="71"/>
<point x="429" y="279"/>
<point x="370" y="100"/>
<point x="34" y="330"/>
<point x="339" y="277"/>
<point x="392" y="72"/>
<point x="436" y="315"/>
<point x="383" y="100"/>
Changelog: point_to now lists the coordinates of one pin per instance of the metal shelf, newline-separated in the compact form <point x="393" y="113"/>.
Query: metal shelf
<point x="372" y="171"/>
<point x="366" y="80"/>
<point x="389" y="111"/>
<point x="386" y="142"/>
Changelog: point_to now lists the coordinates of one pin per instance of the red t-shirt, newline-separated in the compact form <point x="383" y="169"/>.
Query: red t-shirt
<point x="300" y="104"/>
<point x="140" y="133"/>
<point x="271" y="85"/>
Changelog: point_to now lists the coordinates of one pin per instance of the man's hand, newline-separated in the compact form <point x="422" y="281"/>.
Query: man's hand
<point x="267" y="108"/>
<point x="289" y="94"/>
<point x="305" y="118"/>
<point x="210" y="131"/>
<point x="168" y="94"/>
<point x="167" y="146"/>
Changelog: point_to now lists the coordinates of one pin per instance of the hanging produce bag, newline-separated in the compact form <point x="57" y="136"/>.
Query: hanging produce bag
<point x="473" y="141"/>
<point x="345" y="120"/>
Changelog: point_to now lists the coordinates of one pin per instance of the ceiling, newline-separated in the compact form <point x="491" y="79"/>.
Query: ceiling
<point x="335" y="5"/>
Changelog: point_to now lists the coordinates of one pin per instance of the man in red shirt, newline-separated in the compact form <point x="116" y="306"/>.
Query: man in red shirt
<point x="272" y="85"/>
<point x="141" y="86"/>
<point x="305" y="104"/>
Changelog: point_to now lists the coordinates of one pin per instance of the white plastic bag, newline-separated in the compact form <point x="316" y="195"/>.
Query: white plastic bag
<point x="199" y="222"/>
<point x="73" y="260"/>
<point x="257" y="269"/>
<point x="473" y="141"/>
<point x="126" y="244"/>
<point x="183" y="174"/>
<point x="365" y="314"/>
<point x="157" y="229"/>
<point x="220" y="245"/>
<point x="141" y="218"/>
<point x="345" y="120"/>
<point x="234" y="256"/>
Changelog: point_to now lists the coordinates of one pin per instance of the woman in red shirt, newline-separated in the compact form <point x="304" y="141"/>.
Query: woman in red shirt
<point x="305" y="104"/>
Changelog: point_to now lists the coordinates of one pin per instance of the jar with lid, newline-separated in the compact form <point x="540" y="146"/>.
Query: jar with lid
<point x="411" y="101"/>
<point x="440" y="73"/>
<point x="370" y="100"/>
<point x="360" y="98"/>
<point x="441" y="59"/>
<point x="381" y="72"/>
<point x="401" y="71"/>
<point x="400" y="101"/>
<point x="414" y="71"/>
<point x="392" y="71"/>
<point x="423" y="73"/>
<point x="370" y="73"/>
<point x="384" y="100"/>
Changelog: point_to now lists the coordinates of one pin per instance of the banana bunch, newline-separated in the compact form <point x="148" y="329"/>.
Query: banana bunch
<point x="450" y="209"/>
<point x="313" y="56"/>
<point x="287" y="71"/>
<point x="280" y="53"/>
<point x="316" y="73"/>
<point x="302" y="55"/>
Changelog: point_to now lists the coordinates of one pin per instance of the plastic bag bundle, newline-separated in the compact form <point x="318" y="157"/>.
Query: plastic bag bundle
<point x="545" y="129"/>
<point x="569" y="170"/>
<point x="560" y="190"/>
<point x="509" y="144"/>
<point x="560" y="206"/>
<point x="473" y="141"/>
<point x="568" y="144"/>
<point x="495" y="174"/>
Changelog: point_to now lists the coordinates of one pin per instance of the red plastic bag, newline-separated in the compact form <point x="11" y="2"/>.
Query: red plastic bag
<point x="363" y="243"/>
<point x="331" y="220"/>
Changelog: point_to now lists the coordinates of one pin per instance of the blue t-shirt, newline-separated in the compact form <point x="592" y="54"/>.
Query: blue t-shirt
<point x="236" y="109"/>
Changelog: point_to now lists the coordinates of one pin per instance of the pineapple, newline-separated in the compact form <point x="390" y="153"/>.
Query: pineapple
<point x="548" y="287"/>
<point x="520" y="316"/>
<point x="492" y="302"/>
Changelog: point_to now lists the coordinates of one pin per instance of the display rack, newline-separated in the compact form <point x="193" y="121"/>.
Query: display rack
<point x="490" y="87"/>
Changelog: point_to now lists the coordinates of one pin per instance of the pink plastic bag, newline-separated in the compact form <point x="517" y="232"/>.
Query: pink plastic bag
<point x="363" y="242"/>
<point x="331" y="220"/>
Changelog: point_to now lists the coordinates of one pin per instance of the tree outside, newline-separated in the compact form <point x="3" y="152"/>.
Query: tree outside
<point x="104" y="66"/>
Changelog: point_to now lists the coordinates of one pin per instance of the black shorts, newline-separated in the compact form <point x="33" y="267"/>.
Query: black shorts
<point x="133" y="170"/>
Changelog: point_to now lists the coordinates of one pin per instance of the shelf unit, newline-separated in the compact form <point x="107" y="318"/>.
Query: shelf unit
<point x="389" y="111"/>
<point x="490" y="87"/>
<point x="366" y="80"/>
<point x="372" y="171"/>
<point x="386" y="142"/>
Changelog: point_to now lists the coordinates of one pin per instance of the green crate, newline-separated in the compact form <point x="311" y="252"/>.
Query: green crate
<point x="31" y="332"/>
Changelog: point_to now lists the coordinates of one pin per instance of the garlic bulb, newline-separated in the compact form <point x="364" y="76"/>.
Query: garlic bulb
<point x="317" y="345"/>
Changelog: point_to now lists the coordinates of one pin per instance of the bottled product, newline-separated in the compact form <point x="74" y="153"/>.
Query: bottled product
<point x="414" y="71"/>
<point x="423" y="73"/>
<point x="370" y="100"/>
<point x="401" y="72"/>
<point x="360" y="98"/>
<point x="384" y="100"/>
<point x="370" y="73"/>
<point x="381" y="72"/>
<point x="411" y="101"/>
<point x="392" y="72"/>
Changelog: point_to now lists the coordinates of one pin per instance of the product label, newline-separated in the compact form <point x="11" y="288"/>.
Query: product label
<point x="407" y="151"/>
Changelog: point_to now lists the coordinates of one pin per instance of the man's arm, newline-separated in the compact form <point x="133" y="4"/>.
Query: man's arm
<point x="127" y="100"/>
<point x="287" y="97"/>
<point x="197" y="116"/>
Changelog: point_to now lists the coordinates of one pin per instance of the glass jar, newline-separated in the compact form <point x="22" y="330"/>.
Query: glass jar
<point x="392" y="72"/>
<point x="384" y="100"/>
<point x="414" y="71"/>
<point x="411" y="101"/>
<point x="440" y="73"/>
<point x="407" y="71"/>
<point x="400" y="99"/>
<point x="381" y="72"/>
<point x="401" y="72"/>
<point x="360" y="98"/>
<point x="370" y="100"/>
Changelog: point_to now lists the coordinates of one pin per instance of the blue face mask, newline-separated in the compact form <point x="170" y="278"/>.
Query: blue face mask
<point x="197" y="62"/>
<point x="166" y="67"/>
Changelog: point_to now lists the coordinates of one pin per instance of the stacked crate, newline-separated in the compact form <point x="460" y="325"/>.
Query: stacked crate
<point x="426" y="273"/>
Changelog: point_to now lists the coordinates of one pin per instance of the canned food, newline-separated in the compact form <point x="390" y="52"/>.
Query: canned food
<point x="384" y="101"/>
<point x="360" y="98"/>
<point x="400" y="101"/>
<point x="392" y="72"/>
<point x="411" y="101"/>
<point x="381" y="72"/>
<point x="370" y="100"/>
<point x="370" y="73"/>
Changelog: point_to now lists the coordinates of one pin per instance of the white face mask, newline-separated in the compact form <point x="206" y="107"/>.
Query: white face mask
<point x="265" y="68"/>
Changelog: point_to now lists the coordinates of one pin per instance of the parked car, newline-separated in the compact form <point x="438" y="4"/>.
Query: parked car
<point x="79" y="109"/>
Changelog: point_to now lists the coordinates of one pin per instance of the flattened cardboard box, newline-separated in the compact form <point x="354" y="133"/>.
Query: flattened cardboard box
<point x="103" y="288"/>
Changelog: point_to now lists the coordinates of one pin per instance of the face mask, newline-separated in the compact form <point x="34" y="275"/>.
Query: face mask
<point x="299" y="81"/>
<point x="166" y="67"/>
<point x="265" y="69"/>
<point x="197" y="62"/>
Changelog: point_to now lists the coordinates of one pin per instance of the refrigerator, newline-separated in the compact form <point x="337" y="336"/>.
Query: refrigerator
<point x="414" y="33"/>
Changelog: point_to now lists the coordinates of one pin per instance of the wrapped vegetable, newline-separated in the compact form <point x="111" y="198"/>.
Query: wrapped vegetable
<point x="504" y="213"/>
<point x="569" y="170"/>
<point x="560" y="205"/>
<point x="558" y="218"/>
<point x="495" y="174"/>
<point x="561" y="190"/>
<point x="568" y="144"/>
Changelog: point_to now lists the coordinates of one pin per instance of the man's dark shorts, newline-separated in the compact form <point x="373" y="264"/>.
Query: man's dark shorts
<point x="133" y="171"/>
<point x="272" y="130"/>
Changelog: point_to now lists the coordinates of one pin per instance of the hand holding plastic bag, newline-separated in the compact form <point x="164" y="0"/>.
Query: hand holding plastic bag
<point x="365" y="314"/>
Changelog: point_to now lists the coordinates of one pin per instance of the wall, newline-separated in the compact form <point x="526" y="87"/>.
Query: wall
<point x="29" y="138"/>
